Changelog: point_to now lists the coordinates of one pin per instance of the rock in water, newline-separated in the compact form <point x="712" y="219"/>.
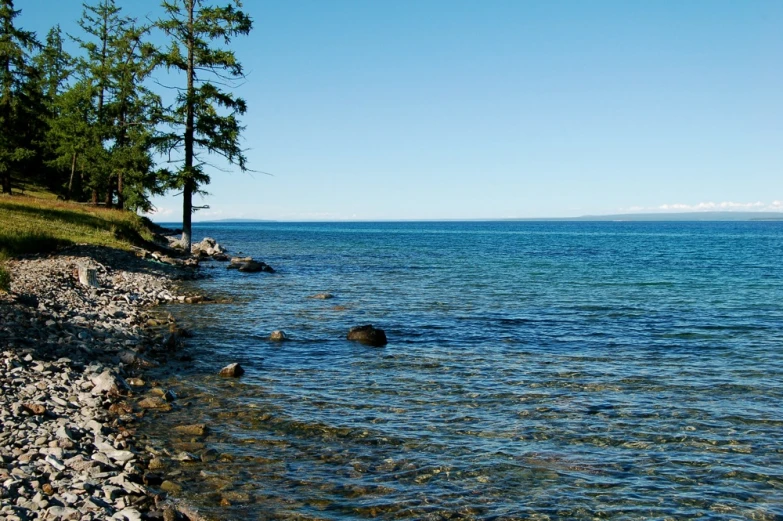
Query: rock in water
<point x="368" y="335"/>
<point x="198" y="429"/>
<point x="232" y="370"/>
<point x="248" y="265"/>
<point x="278" y="336"/>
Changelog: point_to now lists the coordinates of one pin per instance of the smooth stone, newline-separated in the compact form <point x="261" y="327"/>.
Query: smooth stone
<point x="368" y="335"/>
<point x="232" y="371"/>
<point x="278" y="336"/>
<point x="199" y="429"/>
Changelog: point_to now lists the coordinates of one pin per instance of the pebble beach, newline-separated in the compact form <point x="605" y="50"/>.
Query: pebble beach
<point x="73" y="387"/>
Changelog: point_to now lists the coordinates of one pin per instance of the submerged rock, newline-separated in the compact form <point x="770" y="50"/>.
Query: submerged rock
<point x="368" y="335"/>
<point x="322" y="296"/>
<point x="232" y="370"/>
<point x="198" y="429"/>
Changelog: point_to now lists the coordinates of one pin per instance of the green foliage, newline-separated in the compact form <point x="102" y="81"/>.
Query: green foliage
<point x="15" y="46"/>
<point x="89" y="127"/>
<point x="5" y="277"/>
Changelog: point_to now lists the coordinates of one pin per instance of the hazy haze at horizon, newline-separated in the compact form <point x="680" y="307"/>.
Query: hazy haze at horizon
<point x="502" y="109"/>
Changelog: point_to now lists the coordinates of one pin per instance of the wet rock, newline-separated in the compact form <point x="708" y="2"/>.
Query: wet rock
<point x="255" y="267"/>
<point x="278" y="336"/>
<point x="209" y="455"/>
<point x="154" y="402"/>
<point x="322" y="296"/>
<point x="156" y="464"/>
<point x="232" y="371"/>
<point x="249" y="265"/>
<point x="136" y="360"/>
<point x="170" y="487"/>
<point x="199" y="429"/>
<point x="368" y="335"/>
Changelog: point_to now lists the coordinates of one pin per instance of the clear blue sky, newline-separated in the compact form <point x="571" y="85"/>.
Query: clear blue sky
<point x="427" y="109"/>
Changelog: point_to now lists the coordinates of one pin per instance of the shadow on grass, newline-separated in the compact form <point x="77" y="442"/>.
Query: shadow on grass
<point x="55" y="214"/>
<point x="24" y="243"/>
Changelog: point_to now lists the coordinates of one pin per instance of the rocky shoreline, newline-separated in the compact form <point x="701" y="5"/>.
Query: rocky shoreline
<point x="72" y="386"/>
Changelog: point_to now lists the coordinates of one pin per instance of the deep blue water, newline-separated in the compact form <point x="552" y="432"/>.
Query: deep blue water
<point x="534" y="370"/>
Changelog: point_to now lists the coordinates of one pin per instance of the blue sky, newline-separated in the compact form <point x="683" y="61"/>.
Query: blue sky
<point x="430" y="109"/>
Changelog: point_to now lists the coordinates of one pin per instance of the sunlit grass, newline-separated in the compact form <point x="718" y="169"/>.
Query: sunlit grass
<point x="38" y="225"/>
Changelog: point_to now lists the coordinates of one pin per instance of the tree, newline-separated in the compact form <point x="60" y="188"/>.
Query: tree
<point x="74" y="140"/>
<point x="134" y="112"/>
<point x="15" y="72"/>
<point x="105" y="25"/>
<point x="54" y="66"/>
<point x="203" y="120"/>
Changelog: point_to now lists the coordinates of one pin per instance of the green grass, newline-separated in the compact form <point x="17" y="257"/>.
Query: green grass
<point x="40" y="225"/>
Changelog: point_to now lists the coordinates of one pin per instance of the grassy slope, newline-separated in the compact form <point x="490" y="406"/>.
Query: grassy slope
<point x="41" y="223"/>
<point x="33" y="225"/>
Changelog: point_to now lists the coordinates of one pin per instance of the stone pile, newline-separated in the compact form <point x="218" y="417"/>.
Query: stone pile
<point x="209" y="247"/>
<point x="68" y="353"/>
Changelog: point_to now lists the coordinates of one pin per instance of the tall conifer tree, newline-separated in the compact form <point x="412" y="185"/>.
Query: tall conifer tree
<point x="54" y="65"/>
<point x="15" y="75"/>
<point x="103" y="24"/>
<point x="204" y="118"/>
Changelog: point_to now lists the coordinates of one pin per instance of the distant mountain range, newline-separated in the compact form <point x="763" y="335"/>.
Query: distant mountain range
<point x="634" y="217"/>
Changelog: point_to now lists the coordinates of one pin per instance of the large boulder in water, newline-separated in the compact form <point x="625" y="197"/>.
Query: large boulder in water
<point x="368" y="335"/>
<point x="248" y="265"/>
<point x="278" y="336"/>
<point x="232" y="371"/>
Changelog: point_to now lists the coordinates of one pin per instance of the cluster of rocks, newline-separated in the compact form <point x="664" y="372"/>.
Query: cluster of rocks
<point x="209" y="248"/>
<point x="71" y="361"/>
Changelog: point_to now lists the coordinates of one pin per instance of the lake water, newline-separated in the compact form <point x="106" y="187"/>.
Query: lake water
<point x="535" y="370"/>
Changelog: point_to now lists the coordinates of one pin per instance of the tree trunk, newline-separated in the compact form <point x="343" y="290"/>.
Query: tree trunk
<point x="95" y="197"/>
<point x="6" y="182"/>
<point x="109" y="193"/>
<point x="120" y="198"/>
<point x="187" y="194"/>
<point x="70" y="181"/>
<point x="187" y="214"/>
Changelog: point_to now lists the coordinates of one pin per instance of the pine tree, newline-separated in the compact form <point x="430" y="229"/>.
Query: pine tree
<point x="204" y="117"/>
<point x="15" y="75"/>
<point x="134" y="111"/>
<point x="55" y="67"/>
<point x="104" y="24"/>
<point x="73" y="136"/>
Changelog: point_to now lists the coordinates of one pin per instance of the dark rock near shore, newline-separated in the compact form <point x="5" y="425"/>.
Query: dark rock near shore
<point x="248" y="265"/>
<point x="278" y="336"/>
<point x="232" y="371"/>
<point x="368" y="335"/>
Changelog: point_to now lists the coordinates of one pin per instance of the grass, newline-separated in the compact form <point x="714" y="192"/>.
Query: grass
<point x="40" y="225"/>
<point x="37" y="222"/>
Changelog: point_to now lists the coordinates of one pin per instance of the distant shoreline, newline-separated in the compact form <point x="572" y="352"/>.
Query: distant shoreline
<point x="639" y="217"/>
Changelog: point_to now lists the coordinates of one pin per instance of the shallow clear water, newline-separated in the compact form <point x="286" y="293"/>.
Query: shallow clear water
<point x="534" y="370"/>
